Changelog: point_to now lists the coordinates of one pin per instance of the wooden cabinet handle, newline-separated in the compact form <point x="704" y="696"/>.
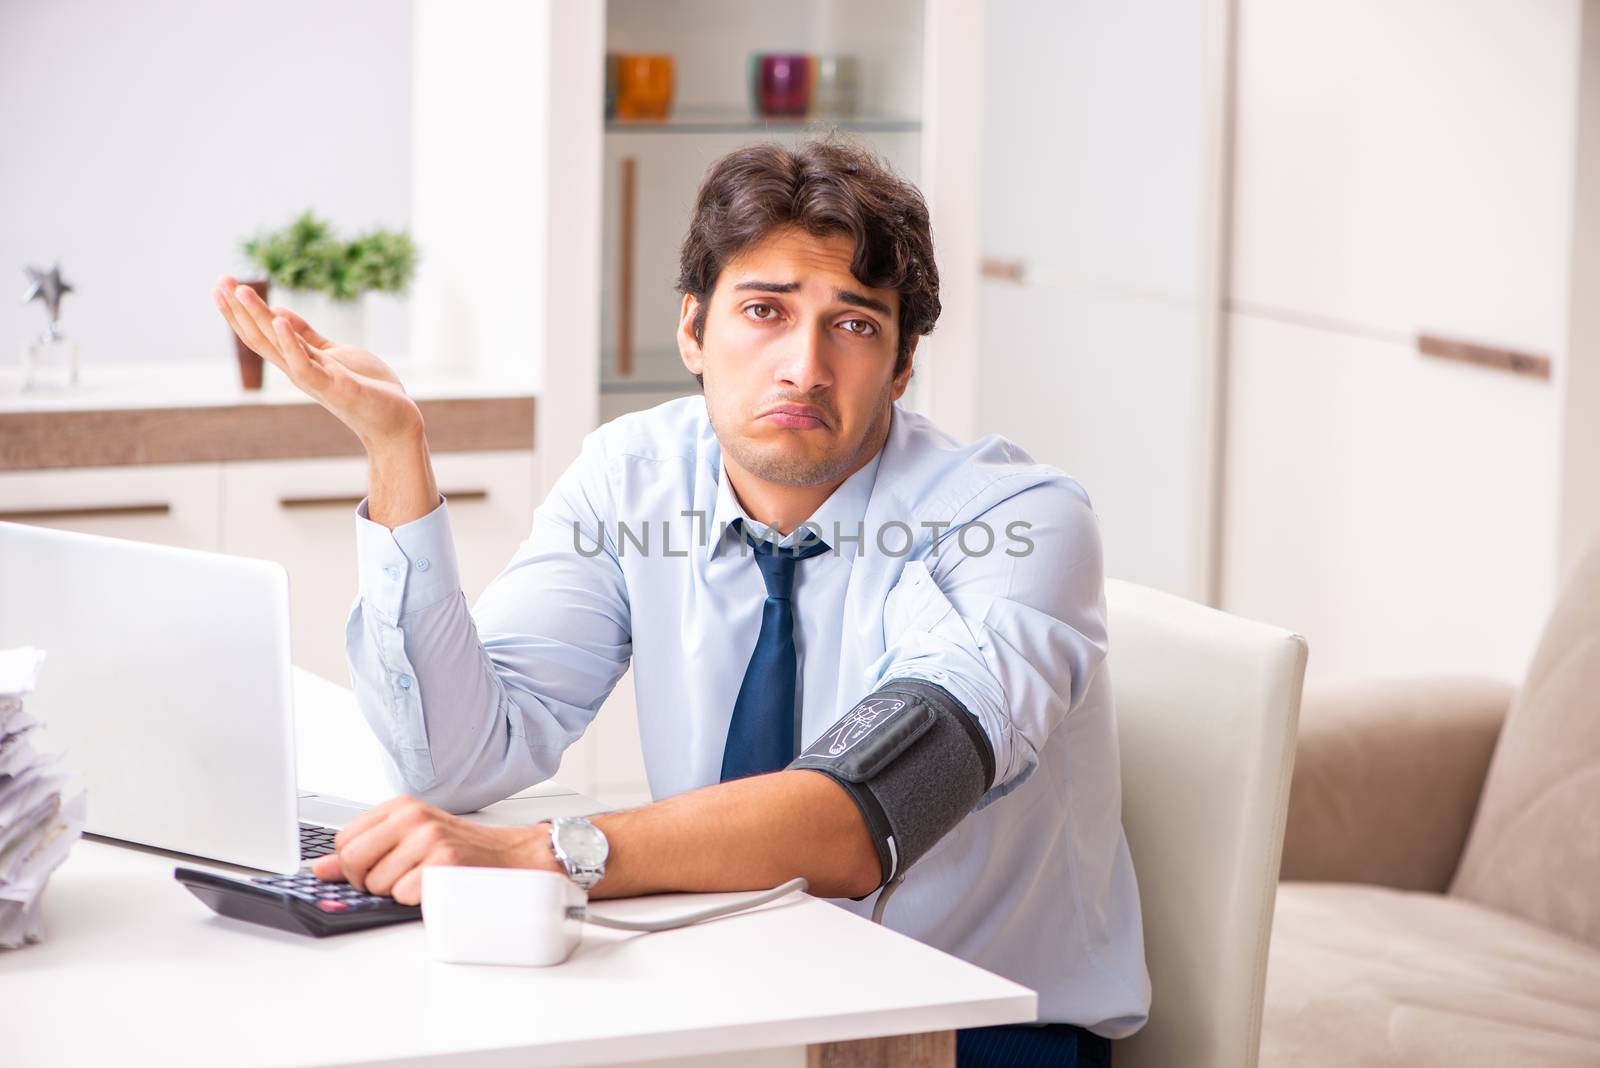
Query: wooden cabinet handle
<point x="1532" y="364"/>
<point x="1002" y="270"/>
<point x="105" y="511"/>
<point x="351" y="502"/>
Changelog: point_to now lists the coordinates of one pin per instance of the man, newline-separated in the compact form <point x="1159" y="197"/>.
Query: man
<point x="865" y="654"/>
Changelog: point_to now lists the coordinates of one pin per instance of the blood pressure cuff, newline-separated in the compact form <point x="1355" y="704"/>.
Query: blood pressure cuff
<point x="915" y="762"/>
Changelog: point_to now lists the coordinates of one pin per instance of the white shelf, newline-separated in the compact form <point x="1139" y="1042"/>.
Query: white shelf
<point x="743" y="122"/>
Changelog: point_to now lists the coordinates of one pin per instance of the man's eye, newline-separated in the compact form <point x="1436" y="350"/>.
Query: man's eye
<point x="761" y="312"/>
<point x="860" y="327"/>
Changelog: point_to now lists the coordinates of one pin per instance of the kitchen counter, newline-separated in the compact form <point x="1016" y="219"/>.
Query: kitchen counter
<point x="198" y="412"/>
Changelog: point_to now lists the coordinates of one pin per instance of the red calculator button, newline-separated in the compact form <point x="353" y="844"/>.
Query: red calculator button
<point x="332" y="906"/>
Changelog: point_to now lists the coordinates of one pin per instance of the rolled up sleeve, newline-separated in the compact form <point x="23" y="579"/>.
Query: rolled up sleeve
<point x="400" y="573"/>
<point x="412" y="567"/>
<point x="1016" y="633"/>
<point x="470" y="720"/>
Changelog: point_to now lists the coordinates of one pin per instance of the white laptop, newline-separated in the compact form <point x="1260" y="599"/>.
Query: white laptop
<point x="167" y="688"/>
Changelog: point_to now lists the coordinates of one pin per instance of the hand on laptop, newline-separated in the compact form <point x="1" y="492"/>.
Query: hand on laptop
<point x="352" y="383"/>
<point x="383" y="851"/>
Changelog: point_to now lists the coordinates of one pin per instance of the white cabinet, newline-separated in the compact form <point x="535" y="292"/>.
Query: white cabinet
<point x="1407" y="164"/>
<point x="1396" y="545"/>
<point x="1104" y="386"/>
<point x="170" y="504"/>
<point x="301" y="514"/>
<point x="1100" y="180"/>
<point x="1095" y="141"/>
<point x="1398" y="167"/>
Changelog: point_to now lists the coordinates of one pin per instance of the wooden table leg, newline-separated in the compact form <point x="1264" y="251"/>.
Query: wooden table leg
<point x="935" y="1049"/>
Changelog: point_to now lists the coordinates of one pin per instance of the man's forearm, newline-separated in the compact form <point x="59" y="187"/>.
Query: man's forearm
<point x="743" y="835"/>
<point x="401" y="484"/>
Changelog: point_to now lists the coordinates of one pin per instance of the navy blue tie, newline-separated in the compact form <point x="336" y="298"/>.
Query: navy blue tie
<point x="762" y="736"/>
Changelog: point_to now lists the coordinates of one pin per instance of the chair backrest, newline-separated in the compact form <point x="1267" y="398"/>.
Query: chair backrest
<point x="1207" y="706"/>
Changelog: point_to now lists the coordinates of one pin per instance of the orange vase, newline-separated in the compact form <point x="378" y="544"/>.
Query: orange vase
<point x="644" y="87"/>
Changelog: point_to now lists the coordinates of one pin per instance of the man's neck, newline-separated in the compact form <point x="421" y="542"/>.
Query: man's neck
<point x="781" y="507"/>
<point x="785" y="507"/>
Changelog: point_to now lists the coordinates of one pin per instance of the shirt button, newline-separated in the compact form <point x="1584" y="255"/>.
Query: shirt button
<point x="404" y="681"/>
<point x="392" y="571"/>
<point x="422" y="563"/>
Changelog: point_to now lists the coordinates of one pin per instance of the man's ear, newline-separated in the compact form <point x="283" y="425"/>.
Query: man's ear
<point x="689" y="350"/>
<point x="903" y="379"/>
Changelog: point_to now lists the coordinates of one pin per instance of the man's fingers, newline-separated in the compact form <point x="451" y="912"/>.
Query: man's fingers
<point x="301" y="364"/>
<point x="301" y="327"/>
<point x="363" y="841"/>
<point x="408" y="891"/>
<point x="255" y="308"/>
<point x="239" y="322"/>
<point x="370" y="818"/>
<point x="359" y="854"/>
<point x="408" y="853"/>
<point x="327" y="868"/>
<point x="256" y="335"/>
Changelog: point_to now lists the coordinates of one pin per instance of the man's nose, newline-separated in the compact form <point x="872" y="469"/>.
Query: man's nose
<point x="804" y="366"/>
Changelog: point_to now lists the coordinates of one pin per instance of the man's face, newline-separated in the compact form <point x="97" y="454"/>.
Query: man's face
<point x="798" y="358"/>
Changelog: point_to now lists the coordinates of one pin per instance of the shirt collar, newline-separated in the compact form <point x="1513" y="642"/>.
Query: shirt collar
<point x="844" y="512"/>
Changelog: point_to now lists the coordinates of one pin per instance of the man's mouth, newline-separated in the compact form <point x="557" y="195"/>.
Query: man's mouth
<point x="795" y="416"/>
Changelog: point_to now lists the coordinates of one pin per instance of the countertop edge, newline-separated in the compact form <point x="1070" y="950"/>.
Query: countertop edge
<point x="54" y="438"/>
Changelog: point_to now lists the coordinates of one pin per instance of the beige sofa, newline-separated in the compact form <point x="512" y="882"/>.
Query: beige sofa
<point x="1440" y="902"/>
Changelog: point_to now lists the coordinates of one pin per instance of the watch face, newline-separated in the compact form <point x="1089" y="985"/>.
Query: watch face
<point x="582" y="843"/>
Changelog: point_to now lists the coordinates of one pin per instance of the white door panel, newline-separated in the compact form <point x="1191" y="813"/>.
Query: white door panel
<point x="1407" y="165"/>
<point x="1095" y="182"/>
<point x="1094" y="140"/>
<point x="169" y="504"/>
<point x="1099" y="384"/>
<point x="1397" y="511"/>
<point x="302" y="514"/>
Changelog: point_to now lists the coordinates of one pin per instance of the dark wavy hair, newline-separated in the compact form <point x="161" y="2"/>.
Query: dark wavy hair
<point x="825" y="186"/>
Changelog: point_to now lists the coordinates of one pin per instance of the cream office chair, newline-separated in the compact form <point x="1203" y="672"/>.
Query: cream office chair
<point x="1207" y="706"/>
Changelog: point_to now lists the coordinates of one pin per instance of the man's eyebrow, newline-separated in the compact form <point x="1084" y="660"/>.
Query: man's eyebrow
<point x="862" y="300"/>
<point x="769" y="287"/>
<point x="847" y="296"/>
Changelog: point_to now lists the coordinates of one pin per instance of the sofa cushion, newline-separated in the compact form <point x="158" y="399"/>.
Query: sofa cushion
<point x="1387" y="777"/>
<point x="1534" y="848"/>
<point x="1365" y="975"/>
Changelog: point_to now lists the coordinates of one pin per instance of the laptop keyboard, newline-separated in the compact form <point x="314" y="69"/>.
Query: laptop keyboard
<point x="316" y="841"/>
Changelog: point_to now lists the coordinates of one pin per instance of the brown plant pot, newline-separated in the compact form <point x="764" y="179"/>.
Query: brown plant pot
<point x="251" y="365"/>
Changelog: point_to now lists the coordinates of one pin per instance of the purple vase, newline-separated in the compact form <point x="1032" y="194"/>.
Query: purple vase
<point x="785" y="84"/>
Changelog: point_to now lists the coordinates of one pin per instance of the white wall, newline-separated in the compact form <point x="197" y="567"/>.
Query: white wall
<point x="481" y="145"/>
<point x="1399" y="166"/>
<point x="143" y="140"/>
<point x="1097" y="157"/>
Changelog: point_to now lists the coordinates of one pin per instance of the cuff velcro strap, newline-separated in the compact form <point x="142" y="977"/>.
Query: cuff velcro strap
<point x="913" y="759"/>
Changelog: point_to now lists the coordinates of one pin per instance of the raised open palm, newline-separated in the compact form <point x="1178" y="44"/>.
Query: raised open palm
<point x="353" y="384"/>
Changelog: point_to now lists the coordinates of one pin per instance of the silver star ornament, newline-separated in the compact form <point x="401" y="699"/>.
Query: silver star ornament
<point x="47" y="286"/>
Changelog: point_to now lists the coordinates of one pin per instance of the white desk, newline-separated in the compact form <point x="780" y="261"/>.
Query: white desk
<point x="133" y="968"/>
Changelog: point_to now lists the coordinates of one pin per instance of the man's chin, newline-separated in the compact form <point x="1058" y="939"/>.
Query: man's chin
<point x="785" y="464"/>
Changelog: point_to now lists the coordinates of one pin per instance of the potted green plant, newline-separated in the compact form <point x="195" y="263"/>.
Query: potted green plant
<point x="326" y="279"/>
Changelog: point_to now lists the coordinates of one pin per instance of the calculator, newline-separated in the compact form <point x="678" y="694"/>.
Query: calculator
<point x="301" y="902"/>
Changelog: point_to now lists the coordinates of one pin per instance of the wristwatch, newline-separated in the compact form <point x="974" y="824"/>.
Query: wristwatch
<point x="582" y="849"/>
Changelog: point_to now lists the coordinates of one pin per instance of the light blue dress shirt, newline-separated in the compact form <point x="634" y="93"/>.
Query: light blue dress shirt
<point x="969" y="566"/>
